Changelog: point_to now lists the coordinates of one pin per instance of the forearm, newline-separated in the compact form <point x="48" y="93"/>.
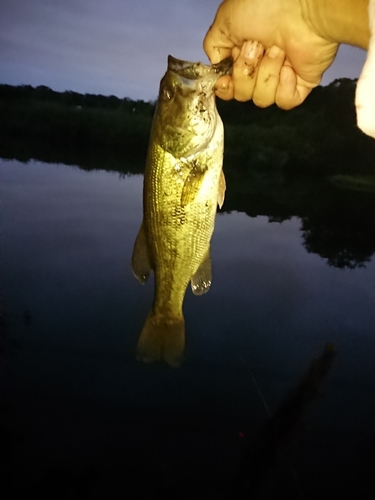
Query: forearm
<point x="340" y="21"/>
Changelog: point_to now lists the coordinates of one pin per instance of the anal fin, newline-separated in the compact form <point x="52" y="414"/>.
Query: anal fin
<point x="201" y="281"/>
<point x="140" y="261"/>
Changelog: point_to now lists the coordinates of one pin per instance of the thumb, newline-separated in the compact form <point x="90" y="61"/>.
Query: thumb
<point x="217" y="44"/>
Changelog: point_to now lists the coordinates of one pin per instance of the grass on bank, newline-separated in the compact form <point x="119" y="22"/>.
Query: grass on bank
<point x="364" y="183"/>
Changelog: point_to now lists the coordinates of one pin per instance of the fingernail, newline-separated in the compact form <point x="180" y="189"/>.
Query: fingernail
<point x="273" y="52"/>
<point x="252" y="49"/>
<point x="222" y="84"/>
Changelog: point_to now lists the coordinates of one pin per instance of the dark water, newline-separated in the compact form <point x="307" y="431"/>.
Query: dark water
<point x="81" y="416"/>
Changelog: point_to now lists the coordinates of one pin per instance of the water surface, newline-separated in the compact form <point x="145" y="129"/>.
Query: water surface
<point x="74" y="395"/>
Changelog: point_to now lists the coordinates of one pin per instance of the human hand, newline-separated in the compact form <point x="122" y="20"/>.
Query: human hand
<point x="365" y="96"/>
<point x="278" y="51"/>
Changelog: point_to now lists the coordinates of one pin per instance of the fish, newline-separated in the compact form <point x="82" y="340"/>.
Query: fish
<point x="183" y="184"/>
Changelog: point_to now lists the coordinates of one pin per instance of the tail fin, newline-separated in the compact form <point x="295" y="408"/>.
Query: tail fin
<point x="162" y="339"/>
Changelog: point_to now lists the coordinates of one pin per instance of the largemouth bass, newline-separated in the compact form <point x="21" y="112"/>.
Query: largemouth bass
<point x="183" y="183"/>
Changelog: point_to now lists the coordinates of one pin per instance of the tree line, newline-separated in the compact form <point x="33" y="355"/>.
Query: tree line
<point x="318" y="138"/>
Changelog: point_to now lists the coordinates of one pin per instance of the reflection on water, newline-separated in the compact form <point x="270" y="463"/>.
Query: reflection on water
<point x="273" y="443"/>
<point x="73" y="312"/>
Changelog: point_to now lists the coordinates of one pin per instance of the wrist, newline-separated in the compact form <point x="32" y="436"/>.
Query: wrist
<point x="340" y="21"/>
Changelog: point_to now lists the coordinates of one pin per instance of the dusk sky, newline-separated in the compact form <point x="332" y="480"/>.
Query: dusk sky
<point x="117" y="47"/>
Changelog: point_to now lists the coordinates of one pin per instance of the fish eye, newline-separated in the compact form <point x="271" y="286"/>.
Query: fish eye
<point x="167" y="92"/>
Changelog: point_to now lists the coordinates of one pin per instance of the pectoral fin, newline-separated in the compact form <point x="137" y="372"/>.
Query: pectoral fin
<point x="221" y="190"/>
<point x="192" y="184"/>
<point x="140" y="261"/>
<point x="201" y="281"/>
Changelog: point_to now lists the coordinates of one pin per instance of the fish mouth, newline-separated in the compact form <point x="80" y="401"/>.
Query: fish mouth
<point x="224" y="67"/>
<point x="196" y="70"/>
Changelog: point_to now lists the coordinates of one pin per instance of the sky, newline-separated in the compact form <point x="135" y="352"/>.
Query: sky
<point x="112" y="47"/>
